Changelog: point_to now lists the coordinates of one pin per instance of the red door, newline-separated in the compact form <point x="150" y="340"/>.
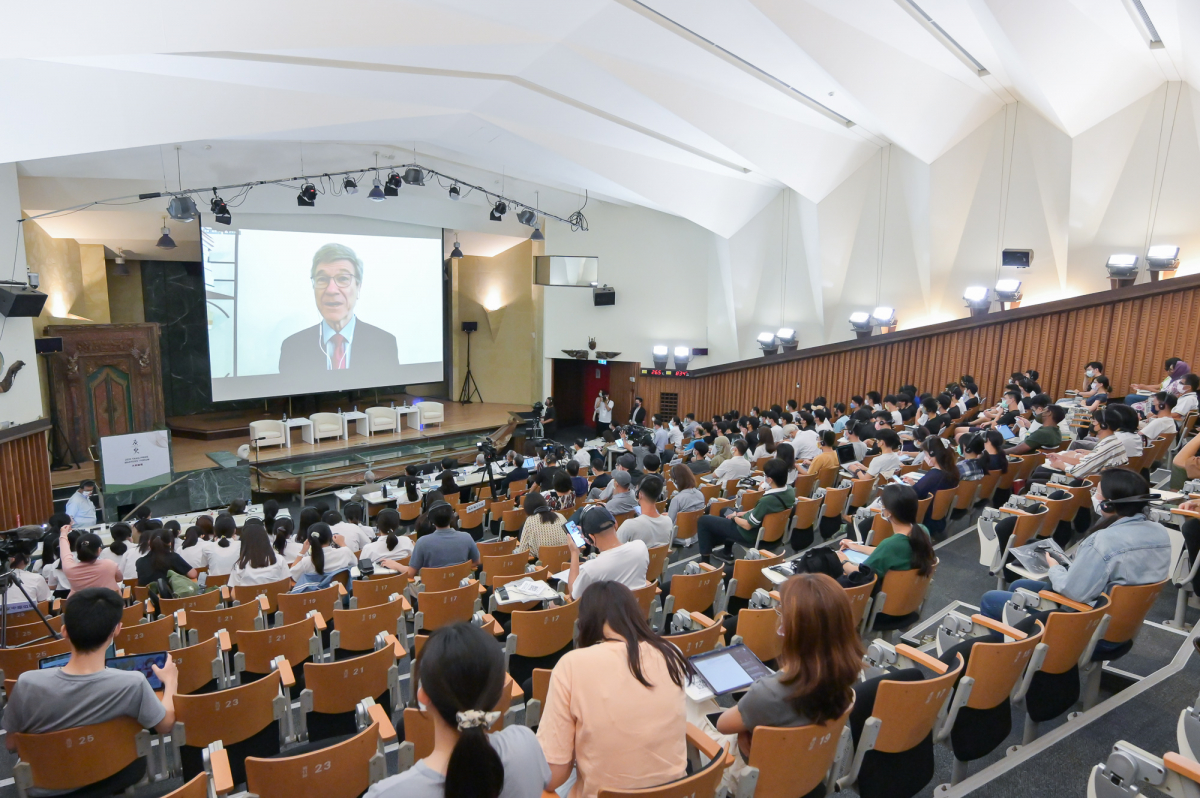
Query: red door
<point x="595" y="380"/>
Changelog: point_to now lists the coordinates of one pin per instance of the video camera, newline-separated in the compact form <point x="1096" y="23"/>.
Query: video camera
<point x="538" y="409"/>
<point x="636" y="433"/>
<point x="487" y="449"/>
<point x="23" y="540"/>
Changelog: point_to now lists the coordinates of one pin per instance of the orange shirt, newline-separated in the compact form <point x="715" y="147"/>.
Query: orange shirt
<point x="619" y="733"/>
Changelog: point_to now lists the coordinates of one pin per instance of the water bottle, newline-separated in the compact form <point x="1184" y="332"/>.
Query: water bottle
<point x="356" y="408"/>
<point x="285" y="418"/>
<point x="393" y="404"/>
<point x="339" y="411"/>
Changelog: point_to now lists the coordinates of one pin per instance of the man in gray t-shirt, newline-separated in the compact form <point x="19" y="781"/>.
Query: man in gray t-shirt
<point x="84" y="692"/>
<point x="444" y="547"/>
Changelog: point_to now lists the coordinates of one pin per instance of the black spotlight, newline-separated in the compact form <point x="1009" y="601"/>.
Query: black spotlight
<point x="414" y="176"/>
<point x="220" y="210"/>
<point x="498" y="211"/>
<point x="307" y="196"/>
<point x="350" y="186"/>
<point x="455" y="193"/>
<point x="391" y="188"/>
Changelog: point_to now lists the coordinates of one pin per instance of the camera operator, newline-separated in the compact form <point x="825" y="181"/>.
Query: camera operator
<point x="34" y="584"/>
<point x="549" y="418"/>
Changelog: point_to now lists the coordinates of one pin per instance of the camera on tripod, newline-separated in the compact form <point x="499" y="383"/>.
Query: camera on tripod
<point x="487" y="449"/>
<point x="538" y="409"/>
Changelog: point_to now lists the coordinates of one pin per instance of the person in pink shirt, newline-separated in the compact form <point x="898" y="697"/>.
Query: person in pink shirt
<point x="89" y="570"/>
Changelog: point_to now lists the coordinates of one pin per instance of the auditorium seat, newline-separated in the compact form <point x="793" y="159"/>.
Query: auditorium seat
<point x="326" y="425"/>
<point x="430" y="413"/>
<point x="380" y="419"/>
<point x="268" y="432"/>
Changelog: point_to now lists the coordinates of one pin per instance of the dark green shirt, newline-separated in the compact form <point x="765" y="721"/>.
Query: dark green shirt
<point x="1044" y="437"/>
<point x="893" y="554"/>
<point x="769" y="503"/>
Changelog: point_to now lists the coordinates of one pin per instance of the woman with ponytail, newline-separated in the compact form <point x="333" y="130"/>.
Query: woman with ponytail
<point x="319" y="555"/>
<point x="390" y="545"/>
<point x="88" y="570"/>
<point x="193" y="547"/>
<point x="285" y="544"/>
<point x="459" y="678"/>
<point x="226" y="549"/>
<point x="121" y="551"/>
<point x="161" y="560"/>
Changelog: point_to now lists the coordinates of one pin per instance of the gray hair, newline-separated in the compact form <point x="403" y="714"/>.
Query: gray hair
<point x="331" y="252"/>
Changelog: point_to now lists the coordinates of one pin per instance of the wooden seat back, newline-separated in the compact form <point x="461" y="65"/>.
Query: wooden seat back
<point x="881" y="530"/>
<point x="719" y="506"/>
<point x="709" y="492"/>
<point x="370" y="592"/>
<point x="73" y="758"/>
<point x="780" y="771"/>
<point x="444" y="607"/>
<point x="987" y="488"/>
<point x="805" y="484"/>
<point x="1067" y="635"/>
<point x="1028" y="525"/>
<point x="554" y="557"/>
<point x="730" y="487"/>
<point x="244" y="594"/>
<point x="699" y="785"/>
<point x="210" y="580"/>
<point x="418" y="725"/>
<point x="409" y="511"/>
<point x="908" y="710"/>
<point x="1007" y="477"/>
<point x="470" y="520"/>
<point x="1056" y="510"/>
<point x="1127" y="608"/>
<point x="696" y="592"/>
<point x="295" y="607"/>
<point x="541" y="633"/>
<point x="905" y="591"/>
<point x="644" y="595"/>
<point x="338" y="686"/>
<point x="447" y="577"/>
<point x="685" y="523"/>
<point x="996" y="668"/>
<point x="15" y="661"/>
<point x="860" y="600"/>
<point x="1027" y="464"/>
<point x="827" y="477"/>
<point x="658" y="561"/>
<point x="357" y="627"/>
<point x="923" y="506"/>
<point x="704" y="639"/>
<point x="503" y="565"/>
<point x="143" y="638"/>
<point x="774" y="526"/>
<point x="195" y="664"/>
<point x="239" y="618"/>
<point x="28" y="616"/>
<point x="512" y="521"/>
<point x="262" y="647"/>
<point x="342" y="770"/>
<point x="750" y="498"/>
<point x="541" y="684"/>
<point x="497" y="548"/>
<point x="943" y="501"/>
<point x="201" y="601"/>
<point x="966" y="493"/>
<point x="623" y="517"/>
<point x="231" y="715"/>
<point x="749" y="574"/>
<point x="497" y="509"/>
<point x="759" y="630"/>
<point x="860" y="491"/>
<point x="835" y="502"/>
<point x="196" y="788"/>
<point x="28" y="632"/>
<point x="805" y="512"/>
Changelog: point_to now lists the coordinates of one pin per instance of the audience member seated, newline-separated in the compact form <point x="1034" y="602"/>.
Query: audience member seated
<point x="390" y="545"/>
<point x="826" y="458"/>
<point x="970" y="465"/>
<point x="722" y="451"/>
<point x="351" y="532"/>
<point x="1091" y="386"/>
<point x="1175" y="370"/>
<point x="579" y="484"/>
<point x="1187" y="395"/>
<point x="742" y="527"/>
<point x="687" y="497"/>
<point x="125" y="555"/>
<point x="616" y="711"/>
<point x="84" y="692"/>
<point x="907" y="548"/>
<point x="461" y="681"/>
<point x="626" y="563"/>
<point x="1122" y="548"/>
<point x="562" y="495"/>
<point x="1043" y="433"/>
<point x="649" y="526"/>
<point x="623" y="500"/>
<point x="543" y="526"/>
<point x="258" y="563"/>
<point x="602" y="479"/>
<point x="321" y="557"/>
<point x="35" y="584"/>
<point x="1100" y="396"/>
<point x="1160" y="419"/>
<point x="285" y="543"/>
<point x="736" y="467"/>
<point x="161" y="560"/>
<point x="445" y="546"/>
<point x="818" y="667"/>
<point x="886" y="463"/>
<point x="220" y="557"/>
<point x="1108" y="451"/>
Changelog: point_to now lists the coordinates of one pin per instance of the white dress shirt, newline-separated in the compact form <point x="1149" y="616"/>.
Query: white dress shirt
<point x="346" y="332"/>
<point x="81" y="510"/>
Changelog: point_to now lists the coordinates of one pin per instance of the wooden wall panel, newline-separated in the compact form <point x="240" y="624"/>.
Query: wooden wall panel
<point x="1131" y="335"/>
<point x="25" y="490"/>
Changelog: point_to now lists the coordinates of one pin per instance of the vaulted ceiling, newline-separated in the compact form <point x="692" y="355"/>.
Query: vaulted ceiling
<point x="699" y="108"/>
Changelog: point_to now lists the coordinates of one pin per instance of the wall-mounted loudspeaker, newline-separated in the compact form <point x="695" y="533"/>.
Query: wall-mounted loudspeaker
<point x="470" y="326"/>
<point x="604" y="296"/>
<point x="18" y="300"/>
<point x="47" y="346"/>
<point x="1017" y="258"/>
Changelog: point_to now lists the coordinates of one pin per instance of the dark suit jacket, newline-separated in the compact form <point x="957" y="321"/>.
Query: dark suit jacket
<point x="372" y="350"/>
<point x="638" y="416"/>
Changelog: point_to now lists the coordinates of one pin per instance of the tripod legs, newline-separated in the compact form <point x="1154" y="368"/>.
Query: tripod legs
<point x="469" y="389"/>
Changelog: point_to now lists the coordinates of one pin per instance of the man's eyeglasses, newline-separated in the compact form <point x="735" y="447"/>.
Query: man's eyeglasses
<point x="341" y="280"/>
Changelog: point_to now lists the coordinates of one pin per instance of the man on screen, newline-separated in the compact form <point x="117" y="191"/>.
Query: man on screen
<point x="342" y="341"/>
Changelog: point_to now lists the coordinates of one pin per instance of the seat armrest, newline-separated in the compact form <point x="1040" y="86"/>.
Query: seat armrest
<point x="921" y="658"/>
<point x="1184" y="767"/>
<point x="387" y="732"/>
<point x="398" y="646"/>
<point x="223" y="640"/>
<point x="702" y="742"/>
<point x="706" y="567"/>
<point x="285" y="671"/>
<point x="1058" y="598"/>
<point x="997" y="626"/>
<point x="222" y="776"/>
<point x="264" y="602"/>
<point x="702" y="619"/>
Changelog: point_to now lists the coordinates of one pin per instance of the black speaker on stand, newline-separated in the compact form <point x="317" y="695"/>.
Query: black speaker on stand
<point x="469" y="387"/>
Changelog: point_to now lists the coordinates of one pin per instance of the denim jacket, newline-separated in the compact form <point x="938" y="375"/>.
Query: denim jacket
<point x="1132" y="551"/>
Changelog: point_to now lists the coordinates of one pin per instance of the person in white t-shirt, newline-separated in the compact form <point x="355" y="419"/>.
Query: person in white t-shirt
<point x="258" y="563"/>
<point x="1190" y="383"/>
<point x="121" y="551"/>
<point x="225" y="551"/>
<point x="390" y="545"/>
<point x="602" y="414"/>
<point x="736" y="467"/>
<point x="350" y="533"/>
<point x="626" y="563"/>
<point x="886" y="463"/>
<point x="319" y="556"/>
<point x="35" y="584"/>
<point x="649" y="526"/>
<point x="1161" y="422"/>
<point x="193" y="547"/>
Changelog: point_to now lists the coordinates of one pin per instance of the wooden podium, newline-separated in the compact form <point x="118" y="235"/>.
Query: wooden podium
<point x="25" y="490"/>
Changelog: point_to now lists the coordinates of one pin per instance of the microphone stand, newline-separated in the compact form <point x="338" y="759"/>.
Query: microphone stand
<point x="254" y="445"/>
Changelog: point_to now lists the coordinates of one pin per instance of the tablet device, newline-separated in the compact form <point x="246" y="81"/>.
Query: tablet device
<point x="856" y="557"/>
<point x="140" y="663"/>
<point x="530" y="462"/>
<point x="1006" y="432"/>
<point x="56" y="661"/>
<point x="729" y="669"/>
<point x="845" y="454"/>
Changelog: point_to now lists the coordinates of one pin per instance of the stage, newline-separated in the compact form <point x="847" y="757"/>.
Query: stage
<point x="192" y="454"/>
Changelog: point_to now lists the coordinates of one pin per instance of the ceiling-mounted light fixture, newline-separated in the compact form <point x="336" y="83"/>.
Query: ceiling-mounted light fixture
<point x="391" y="186"/>
<point x="660" y="354"/>
<point x="120" y="268"/>
<point x="182" y="208"/>
<point x="455" y="192"/>
<point x="376" y="194"/>
<point x="498" y="211"/>
<point x="885" y="318"/>
<point x="166" y="242"/>
<point x="307" y="196"/>
<point x="220" y="210"/>
<point x="1008" y="292"/>
<point x="1162" y="258"/>
<point x="456" y="253"/>
<point x="350" y="185"/>
<point x="414" y="176"/>
<point x="527" y="217"/>
<point x="768" y="343"/>
<point x="683" y="356"/>
<point x="537" y="235"/>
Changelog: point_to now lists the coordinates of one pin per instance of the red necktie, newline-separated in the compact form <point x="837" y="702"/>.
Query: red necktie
<point x="339" y="351"/>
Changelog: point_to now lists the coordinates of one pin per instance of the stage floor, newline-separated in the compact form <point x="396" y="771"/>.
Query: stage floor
<point x="191" y="454"/>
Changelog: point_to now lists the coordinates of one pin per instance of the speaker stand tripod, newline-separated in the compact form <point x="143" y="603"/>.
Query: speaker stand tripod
<point x="469" y="387"/>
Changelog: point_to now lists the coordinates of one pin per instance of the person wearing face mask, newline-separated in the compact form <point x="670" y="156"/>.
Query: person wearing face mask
<point x="1161" y="420"/>
<point x="1046" y="435"/>
<point x="1122" y="548"/>
<point x="910" y="547"/>
<point x="80" y="507"/>
<point x="602" y="412"/>
<point x="1091" y="387"/>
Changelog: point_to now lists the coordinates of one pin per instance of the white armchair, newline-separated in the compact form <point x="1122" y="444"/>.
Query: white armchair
<point x="380" y="419"/>
<point x="430" y="413"/>
<point x="268" y="432"/>
<point x="326" y="425"/>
